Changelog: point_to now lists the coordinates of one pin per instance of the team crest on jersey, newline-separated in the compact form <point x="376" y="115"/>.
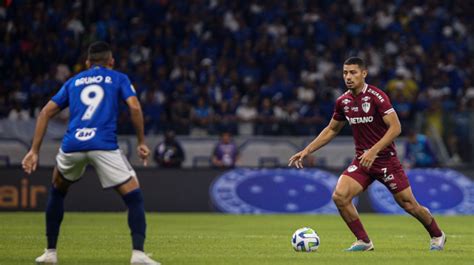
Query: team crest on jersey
<point x="366" y="107"/>
<point x="352" y="168"/>
<point x="366" y="98"/>
<point x="346" y="101"/>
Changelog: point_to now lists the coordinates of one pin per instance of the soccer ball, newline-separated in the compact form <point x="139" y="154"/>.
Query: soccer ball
<point x="305" y="239"/>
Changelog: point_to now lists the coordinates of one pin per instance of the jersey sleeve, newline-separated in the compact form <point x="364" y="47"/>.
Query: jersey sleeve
<point x="384" y="106"/>
<point x="338" y="114"/>
<point x="126" y="88"/>
<point x="62" y="97"/>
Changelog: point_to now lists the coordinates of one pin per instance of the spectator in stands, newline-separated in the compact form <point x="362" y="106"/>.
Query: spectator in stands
<point x="403" y="85"/>
<point x="225" y="118"/>
<point x="225" y="153"/>
<point x="247" y="114"/>
<point x="18" y="113"/>
<point x="152" y="112"/>
<point x="169" y="153"/>
<point x="242" y="52"/>
<point x="418" y="151"/>
<point x="181" y="116"/>
<point x="201" y="117"/>
<point x="266" y="124"/>
<point x="403" y="107"/>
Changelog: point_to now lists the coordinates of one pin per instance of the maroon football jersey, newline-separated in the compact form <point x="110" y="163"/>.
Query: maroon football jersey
<point x="364" y="113"/>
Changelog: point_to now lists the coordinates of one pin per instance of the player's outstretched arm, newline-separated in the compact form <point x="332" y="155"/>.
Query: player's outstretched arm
<point x="30" y="161"/>
<point x="394" y="130"/>
<point x="326" y="135"/>
<point x="137" y="120"/>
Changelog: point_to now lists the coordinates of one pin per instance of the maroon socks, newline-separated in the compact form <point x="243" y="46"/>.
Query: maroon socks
<point x="358" y="230"/>
<point x="433" y="229"/>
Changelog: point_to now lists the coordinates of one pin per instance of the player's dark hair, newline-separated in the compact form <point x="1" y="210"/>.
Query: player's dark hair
<point x="356" y="60"/>
<point x="99" y="52"/>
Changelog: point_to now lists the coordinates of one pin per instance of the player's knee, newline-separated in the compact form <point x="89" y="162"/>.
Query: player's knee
<point x="59" y="183"/>
<point x="340" y="199"/>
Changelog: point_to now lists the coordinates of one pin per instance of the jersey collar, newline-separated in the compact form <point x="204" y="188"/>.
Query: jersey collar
<point x="97" y="66"/>
<point x="361" y="93"/>
<point x="365" y="88"/>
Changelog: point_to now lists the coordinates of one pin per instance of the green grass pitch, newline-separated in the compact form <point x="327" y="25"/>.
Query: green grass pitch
<point x="103" y="238"/>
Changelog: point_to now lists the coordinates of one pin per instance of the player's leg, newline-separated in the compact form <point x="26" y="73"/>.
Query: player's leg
<point x="55" y="207"/>
<point x="133" y="198"/>
<point x="54" y="217"/>
<point x="115" y="172"/>
<point x="72" y="166"/>
<point x="394" y="178"/>
<point x="346" y="189"/>
<point x="407" y="201"/>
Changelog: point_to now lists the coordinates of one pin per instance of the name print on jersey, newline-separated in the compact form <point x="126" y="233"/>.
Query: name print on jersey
<point x="92" y="80"/>
<point x="377" y="94"/>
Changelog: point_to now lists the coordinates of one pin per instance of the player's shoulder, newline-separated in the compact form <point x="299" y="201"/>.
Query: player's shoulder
<point x="122" y="77"/>
<point x="73" y="78"/>
<point x="376" y="93"/>
<point x="117" y="73"/>
<point x="344" y="97"/>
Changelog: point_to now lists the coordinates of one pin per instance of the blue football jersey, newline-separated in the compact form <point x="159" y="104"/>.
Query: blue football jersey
<point x="93" y="97"/>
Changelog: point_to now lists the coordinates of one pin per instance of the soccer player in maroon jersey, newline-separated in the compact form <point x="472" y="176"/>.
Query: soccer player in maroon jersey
<point x="374" y="125"/>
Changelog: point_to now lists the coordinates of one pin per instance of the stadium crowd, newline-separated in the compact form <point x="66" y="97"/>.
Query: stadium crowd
<point x="249" y="66"/>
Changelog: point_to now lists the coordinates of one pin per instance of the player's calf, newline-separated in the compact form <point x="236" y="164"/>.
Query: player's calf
<point x="136" y="217"/>
<point x="407" y="201"/>
<point x="54" y="216"/>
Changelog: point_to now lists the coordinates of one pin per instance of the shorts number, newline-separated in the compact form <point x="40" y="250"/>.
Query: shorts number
<point x="91" y="96"/>
<point x="385" y="177"/>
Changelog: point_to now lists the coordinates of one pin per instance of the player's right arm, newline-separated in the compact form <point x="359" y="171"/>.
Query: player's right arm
<point x="136" y="116"/>
<point x="30" y="161"/>
<point x="326" y="135"/>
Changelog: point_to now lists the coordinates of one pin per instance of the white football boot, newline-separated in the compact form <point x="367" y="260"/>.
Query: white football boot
<point x="141" y="258"/>
<point x="360" y="245"/>
<point x="49" y="257"/>
<point x="437" y="243"/>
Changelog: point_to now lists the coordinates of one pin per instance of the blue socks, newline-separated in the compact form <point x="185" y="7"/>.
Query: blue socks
<point x="54" y="215"/>
<point x="136" y="217"/>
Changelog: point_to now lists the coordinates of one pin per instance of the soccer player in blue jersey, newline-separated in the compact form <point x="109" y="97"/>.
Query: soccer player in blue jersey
<point x="93" y="99"/>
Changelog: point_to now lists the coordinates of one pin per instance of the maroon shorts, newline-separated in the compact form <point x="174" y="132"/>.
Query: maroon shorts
<point x="388" y="171"/>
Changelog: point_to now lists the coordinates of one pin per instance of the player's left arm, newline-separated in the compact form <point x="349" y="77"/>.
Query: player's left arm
<point x="30" y="161"/>
<point x="394" y="130"/>
<point x="136" y="116"/>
